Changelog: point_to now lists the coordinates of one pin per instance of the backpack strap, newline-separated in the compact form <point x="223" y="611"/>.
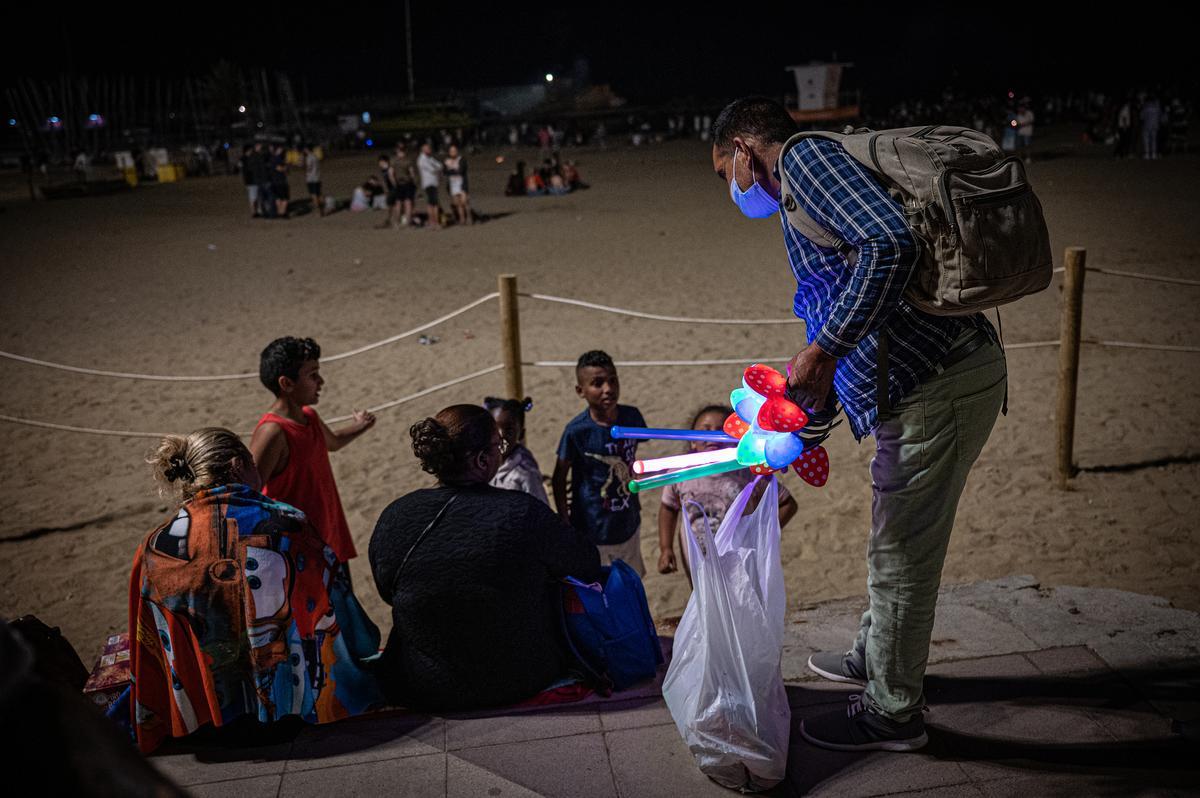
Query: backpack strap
<point x="421" y="537"/>
<point x="794" y="209"/>
<point x="808" y="227"/>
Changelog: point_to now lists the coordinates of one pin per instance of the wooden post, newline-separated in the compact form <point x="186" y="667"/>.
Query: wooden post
<point x="1068" y="360"/>
<point x="510" y="336"/>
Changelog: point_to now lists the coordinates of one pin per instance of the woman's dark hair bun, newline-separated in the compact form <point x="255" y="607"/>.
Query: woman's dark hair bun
<point x="433" y="446"/>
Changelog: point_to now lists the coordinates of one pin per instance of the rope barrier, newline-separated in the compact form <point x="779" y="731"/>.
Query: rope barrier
<point x="1158" y="278"/>
<point x="654" y="316"/>
<point x="1132" y="345"/>
<point x="88" y="430"/>
<point x="637" y="363"/>
<point x="569" y="364"/>
<point x="131" y="434"/>
<point x="414" y="330"/>
<point x="560" y="300"/>
<point x="1030" y="345"/>
<point x="249" y="374"/>
<point x="424" y="392"/>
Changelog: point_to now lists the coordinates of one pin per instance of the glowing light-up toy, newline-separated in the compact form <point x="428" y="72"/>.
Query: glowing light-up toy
<point x="770" y="433"/>
<point x="685" y="460"/>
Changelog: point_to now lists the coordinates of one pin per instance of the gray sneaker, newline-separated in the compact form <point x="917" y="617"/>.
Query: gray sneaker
<point x="860" y="728"/>
<point x="845" y="667"/>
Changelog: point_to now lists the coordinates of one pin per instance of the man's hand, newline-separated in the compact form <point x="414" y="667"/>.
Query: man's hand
<point x="810" y="376"/>
<point x="666" y="562"/>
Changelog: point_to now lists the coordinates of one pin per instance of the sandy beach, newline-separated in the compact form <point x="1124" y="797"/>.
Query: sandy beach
<point x="177" y="279"/>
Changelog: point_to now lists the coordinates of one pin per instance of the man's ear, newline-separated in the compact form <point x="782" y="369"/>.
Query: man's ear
<point x="286" y="384"/>
<point x="578" y="389"/>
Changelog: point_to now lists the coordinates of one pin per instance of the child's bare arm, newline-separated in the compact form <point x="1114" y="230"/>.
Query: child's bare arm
<point x="269" y="448"/>
<point x="559" y="484"/>
<point x="787" y="509"/>
<point x="363" y="421"/>
<point x="668" y="517"/>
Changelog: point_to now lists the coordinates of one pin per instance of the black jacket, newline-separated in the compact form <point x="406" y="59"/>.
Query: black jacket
<point x="474" y="615"/>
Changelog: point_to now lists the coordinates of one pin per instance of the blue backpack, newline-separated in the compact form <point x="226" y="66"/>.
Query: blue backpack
<point x="609" y="629"/>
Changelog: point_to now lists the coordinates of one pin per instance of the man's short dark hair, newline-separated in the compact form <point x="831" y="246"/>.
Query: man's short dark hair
<point x="383" y="157"/>
<point x="283" y="357"/>
<point x="595" y="358"/>
<point x="759" y="118"/>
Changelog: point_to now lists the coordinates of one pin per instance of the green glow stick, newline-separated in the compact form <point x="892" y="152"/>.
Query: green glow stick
<point x="649" y="483"/>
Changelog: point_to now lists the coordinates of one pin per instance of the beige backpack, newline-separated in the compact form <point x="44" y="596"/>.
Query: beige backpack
<point x="982" y="234"/>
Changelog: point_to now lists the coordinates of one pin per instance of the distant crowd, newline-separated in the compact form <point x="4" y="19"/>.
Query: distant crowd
<point x="400" y="175"/>
<point x="264" y="169"/>
<point x="1143" y="123"/>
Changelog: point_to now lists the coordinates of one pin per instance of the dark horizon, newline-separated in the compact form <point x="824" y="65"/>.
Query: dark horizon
<point x="647" y="54"/>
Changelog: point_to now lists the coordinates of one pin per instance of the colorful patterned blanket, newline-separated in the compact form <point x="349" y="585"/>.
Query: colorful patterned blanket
<point x="236" y="608"/>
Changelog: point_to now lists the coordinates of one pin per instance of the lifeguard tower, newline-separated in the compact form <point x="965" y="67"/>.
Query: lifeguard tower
<point x="819" y="94"/>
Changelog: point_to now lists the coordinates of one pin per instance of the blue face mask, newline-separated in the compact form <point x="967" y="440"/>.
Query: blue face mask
<point x="754" y="202"/>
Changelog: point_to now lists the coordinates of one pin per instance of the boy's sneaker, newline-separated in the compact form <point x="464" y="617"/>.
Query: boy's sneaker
<point x="848" y="668"/>
<point x="859" y="728"/>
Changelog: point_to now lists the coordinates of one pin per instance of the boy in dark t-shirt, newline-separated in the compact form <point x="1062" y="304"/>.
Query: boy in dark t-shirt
<point x="600" y="466"/>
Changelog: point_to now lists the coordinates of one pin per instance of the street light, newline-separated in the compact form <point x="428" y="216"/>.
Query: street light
<point x="549" y="78"/>
<point x="241" y="109"/>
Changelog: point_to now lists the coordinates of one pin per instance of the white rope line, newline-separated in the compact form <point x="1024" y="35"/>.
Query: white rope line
<point x="568" y="364"/>
<point x="740" y="361"/>
<point x="1158" y="278"/>
<point x="424" y="392"/>
<point x="88" y="430"/>
<point x="1141" y="276"/>
<point x="414" y="330"/>
<point x="636" y="363"/>
<point x="654" y="316"/>
<point x="130" y="434"/>
<point x="1030" y="345"/>
<point x="125" y="374"/>
<point x="249" y="374"/>
<point x="1132" y="345"/>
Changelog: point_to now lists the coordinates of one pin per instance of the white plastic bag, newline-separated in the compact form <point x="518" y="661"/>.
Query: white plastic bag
<point x="725" y="687"/>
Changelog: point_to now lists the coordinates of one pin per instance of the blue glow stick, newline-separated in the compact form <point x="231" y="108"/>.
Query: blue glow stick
<point x="653" y="433"/>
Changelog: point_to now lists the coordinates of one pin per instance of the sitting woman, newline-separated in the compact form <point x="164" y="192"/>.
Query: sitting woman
<point x="470" y="571"/>
<point x="237" y="608"/>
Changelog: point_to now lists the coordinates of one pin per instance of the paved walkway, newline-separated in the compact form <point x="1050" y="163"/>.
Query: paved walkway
<point x="1032" y="692"/>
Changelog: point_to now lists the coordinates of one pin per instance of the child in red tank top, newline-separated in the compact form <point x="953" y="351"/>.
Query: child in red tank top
<point x="291" y="444"/>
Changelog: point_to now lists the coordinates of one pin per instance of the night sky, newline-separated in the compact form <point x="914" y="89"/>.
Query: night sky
<point x="649" y="53"/>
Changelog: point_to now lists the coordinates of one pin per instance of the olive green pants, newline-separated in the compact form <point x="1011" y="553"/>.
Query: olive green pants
<point x="924" y="450"/>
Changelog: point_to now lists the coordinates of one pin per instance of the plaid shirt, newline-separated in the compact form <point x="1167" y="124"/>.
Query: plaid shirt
<point x="845" y="308"/>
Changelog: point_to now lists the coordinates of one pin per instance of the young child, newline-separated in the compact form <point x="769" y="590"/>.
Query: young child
<point x="519" y="470"/>
<point x="714" y="494"/>
<point x="291" y="444"/>
<point x="600" y="467"/>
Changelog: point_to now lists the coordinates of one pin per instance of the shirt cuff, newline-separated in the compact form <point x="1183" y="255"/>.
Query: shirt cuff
<point x="832" y="346"/>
